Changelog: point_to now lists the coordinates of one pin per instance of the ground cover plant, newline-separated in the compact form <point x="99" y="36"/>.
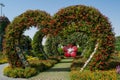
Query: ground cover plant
<point x="111" y="72"/>
<point x="3" y="58"/>
<point x="35" y="67"/>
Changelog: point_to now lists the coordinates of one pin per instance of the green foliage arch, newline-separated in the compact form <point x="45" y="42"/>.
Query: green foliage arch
<point x="37" y="46"/>
<point x="51" y="45"/>
<point x="91" y="22"/>
<point x="79" y="18"/>
<point x="17" y="27"/>
<point x="25" y="44"/>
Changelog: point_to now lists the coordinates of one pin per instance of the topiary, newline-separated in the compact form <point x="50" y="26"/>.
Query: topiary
<point x="19" y="72"/>
<point x="91" y="22"/>
<point x="17" y="27"/>
<point x="47" y="46"/>
<point x="37" y="45"/>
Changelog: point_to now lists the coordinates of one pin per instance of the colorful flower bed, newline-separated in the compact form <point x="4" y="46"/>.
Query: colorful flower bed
<point x="96" y="75"/>
<point x="111" y="73"/>
<point x="36" y="66"/>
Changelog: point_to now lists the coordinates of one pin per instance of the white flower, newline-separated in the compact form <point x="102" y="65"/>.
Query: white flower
<point x="70" y="50"/>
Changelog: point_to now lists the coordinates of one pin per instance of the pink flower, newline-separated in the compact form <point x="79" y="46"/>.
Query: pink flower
<point x="118" y="69"/>
<point x="70" y="50"/>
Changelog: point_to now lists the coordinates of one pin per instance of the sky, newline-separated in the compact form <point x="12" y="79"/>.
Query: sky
<point x="109" y="8"/>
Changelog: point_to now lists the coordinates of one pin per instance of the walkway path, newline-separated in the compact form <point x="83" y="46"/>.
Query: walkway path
<point x="60" y="71"/>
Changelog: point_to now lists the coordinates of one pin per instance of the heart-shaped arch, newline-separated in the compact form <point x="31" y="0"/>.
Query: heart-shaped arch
<point x="80" y="18"/>
<point x="92" y="23"/>
<point x="17" y="27"/>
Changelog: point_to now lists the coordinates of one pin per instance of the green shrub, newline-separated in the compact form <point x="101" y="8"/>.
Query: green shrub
<point x="97" y="75"/>
<point x="78" y="63"/>
<point x="41" y="56"/>
<point x="89" y="50"/>
<point x="38" y="65"/>
<point x="47" y="64"/>
<point x="37" y="45"/>
<point x="118" y="76"/>
<point x="41" y="65"/>
<point x="31" y="72"/>
<point x="60" y="50"/>
<point x="3" y="58"/>
<point x="79" y="51"/>
<point x="56" y="58"/>
<point x="53" y="61"/>
<point x="2" y="61"/>
<point x="30" y="58"/>
<point x="19" y="72"/>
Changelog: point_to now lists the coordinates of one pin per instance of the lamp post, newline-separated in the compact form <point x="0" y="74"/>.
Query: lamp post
<point x="2" y="5"/>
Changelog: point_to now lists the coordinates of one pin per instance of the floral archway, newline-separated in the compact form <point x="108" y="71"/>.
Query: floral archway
<point x="14" y="31"/>
<point x="86" y="20"/>
<point x="91" y="22"/>
<point x="37" y="46"/>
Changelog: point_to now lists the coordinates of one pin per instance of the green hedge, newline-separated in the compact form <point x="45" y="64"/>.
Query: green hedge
<point x="19" y="72"/>
<point x="36" y="66"/>
<point x="3" y="58"/>
<point x="97" y="75"/>
<point x="38" y="50"/>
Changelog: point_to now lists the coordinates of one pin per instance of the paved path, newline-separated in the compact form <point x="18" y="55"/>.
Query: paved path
<point x="60" y="71"/>
<point x="2" y="77"/>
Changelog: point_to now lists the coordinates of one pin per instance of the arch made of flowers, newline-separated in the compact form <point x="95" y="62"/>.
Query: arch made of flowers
<point x="17" y="27"/>
<point x="51" y="45"/>
<point x="37" y="45"/>
<point x="90" y="21"/>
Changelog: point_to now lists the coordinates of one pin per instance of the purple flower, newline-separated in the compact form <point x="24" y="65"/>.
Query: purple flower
<point x="118" y="69"/>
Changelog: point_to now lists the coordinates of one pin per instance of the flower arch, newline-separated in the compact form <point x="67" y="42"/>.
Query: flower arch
<point x="91" y="22"/>
<point x="79" y="18"/>
<point x="37" y="45"/>
<point x="14" y="31"/>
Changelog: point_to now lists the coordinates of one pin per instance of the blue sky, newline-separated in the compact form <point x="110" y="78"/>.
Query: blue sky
<point x="109" y="8"/>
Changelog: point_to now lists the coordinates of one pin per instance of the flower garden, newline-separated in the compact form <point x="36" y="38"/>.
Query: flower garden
<point x="85" y="28"/>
